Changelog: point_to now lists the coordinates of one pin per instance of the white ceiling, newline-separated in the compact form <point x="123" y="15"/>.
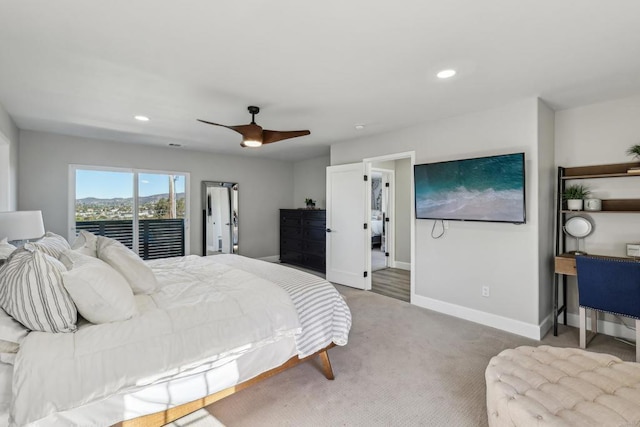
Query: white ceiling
<point x="86" y="68"/>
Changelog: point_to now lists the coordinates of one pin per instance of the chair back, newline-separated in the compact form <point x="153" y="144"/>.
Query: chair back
<point x="609" y="284"/>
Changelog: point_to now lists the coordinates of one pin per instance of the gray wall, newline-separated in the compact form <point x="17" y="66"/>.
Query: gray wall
<point x="310" y="181"/>
<point x="265" y="185"/>
<point x="450" y="272"/>
<point x="8" y="162"/>
<point x="546" y="207"/>
<point x="403" y="210"/>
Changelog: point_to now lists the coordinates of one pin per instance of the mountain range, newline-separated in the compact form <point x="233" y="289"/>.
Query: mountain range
<point x="118" y="201"/>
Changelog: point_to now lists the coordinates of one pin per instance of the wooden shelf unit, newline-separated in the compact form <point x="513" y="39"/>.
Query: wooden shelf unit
<point x="610" y="206"/>
<point x="618" y="170"/>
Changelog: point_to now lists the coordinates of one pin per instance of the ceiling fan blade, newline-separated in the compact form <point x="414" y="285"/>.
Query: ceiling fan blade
<point x="241" y="129"/>
<point x="269" y="136"/>
<point x="211" y="123"/>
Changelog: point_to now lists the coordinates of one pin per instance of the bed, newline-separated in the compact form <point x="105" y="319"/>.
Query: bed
<point x="213" y="325"/>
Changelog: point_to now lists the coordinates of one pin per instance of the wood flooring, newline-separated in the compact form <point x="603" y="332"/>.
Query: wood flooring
<point x="392" y="282"/>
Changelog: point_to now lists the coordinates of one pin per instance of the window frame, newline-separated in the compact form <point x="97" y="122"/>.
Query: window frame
<point x="71" y="204"/>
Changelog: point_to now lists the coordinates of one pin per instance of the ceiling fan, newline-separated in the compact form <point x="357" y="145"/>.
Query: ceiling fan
<point x="254" y="136"/>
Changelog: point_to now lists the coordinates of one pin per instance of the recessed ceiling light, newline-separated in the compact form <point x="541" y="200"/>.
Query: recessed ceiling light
<point x="142" y="118"/>
<point x="359" y="127"/>
<point x="175" y="145"/>
<point x="445" y="74"/>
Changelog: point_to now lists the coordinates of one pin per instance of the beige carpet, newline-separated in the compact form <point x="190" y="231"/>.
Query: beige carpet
<point x="403" y="366"/>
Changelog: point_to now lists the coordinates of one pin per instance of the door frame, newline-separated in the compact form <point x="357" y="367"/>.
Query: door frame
<point x="368" y="165"/>
<point x="390" y="174"/>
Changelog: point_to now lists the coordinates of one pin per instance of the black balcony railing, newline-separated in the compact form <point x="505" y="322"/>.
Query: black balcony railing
<point x="157" y="238"/>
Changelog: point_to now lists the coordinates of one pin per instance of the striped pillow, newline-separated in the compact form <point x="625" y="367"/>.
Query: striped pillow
<point x="52" y="244"/>
<point x="33" y="293"/>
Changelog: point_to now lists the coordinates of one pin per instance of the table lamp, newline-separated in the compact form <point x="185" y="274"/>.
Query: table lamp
<point x="21" y="226"/>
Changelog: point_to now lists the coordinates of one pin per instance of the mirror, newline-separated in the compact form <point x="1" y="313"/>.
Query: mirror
<point x="219" y="217"/>
<point x="578" y="227"/>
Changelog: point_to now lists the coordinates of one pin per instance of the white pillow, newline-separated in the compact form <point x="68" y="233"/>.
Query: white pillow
<point x="100" y="293"/>
<point x="126" y="262"/>
<point x="6" y="248"/>
<point x="11" y="333"/>
<point x="85" y="243"/>
<point x="52" y="244"/>
<point x="32" y="292"/>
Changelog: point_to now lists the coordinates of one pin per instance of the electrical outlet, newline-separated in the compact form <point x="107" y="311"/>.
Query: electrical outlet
<point x="485" y="291"/>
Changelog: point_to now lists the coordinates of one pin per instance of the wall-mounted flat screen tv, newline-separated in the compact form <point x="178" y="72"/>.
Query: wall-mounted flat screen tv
<point x="479" y="189"/>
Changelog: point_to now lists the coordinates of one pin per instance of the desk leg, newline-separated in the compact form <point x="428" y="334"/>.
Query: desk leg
<point x="555" y="305"/>
<point x="564" y="299"/>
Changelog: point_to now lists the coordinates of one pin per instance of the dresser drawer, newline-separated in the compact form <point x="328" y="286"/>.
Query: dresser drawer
<point x="318" y="234"/>
<point x="314" y="248"/>
<point x="290" y="256"/>
<point x="314" y="223"/>
<point x="290" y="232"/>
<point x="565" y="265"/>
<point x="293" y="218"/>
<point x="315" y="262"/>
<point x="290" y="244"/>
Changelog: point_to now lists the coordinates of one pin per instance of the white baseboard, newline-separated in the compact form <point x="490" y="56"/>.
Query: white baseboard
<point x="402" y="265"/>
<point x="605" y="327"/>
<point x="272" y="258"/>
<point x="509" y="325"/>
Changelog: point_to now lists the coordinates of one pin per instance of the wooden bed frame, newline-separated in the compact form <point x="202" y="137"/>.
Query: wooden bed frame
<point x="163" y="417"/>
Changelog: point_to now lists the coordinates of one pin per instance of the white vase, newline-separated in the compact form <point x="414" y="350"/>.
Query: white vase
<point x="574" y="204"/>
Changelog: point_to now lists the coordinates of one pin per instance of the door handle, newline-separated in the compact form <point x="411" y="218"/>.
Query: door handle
<point x="328" y="230"/>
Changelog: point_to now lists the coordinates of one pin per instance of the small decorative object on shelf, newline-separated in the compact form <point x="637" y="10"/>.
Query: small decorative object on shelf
<point x="592" y="204"/>
<point x="310" y="203"/>
<point x="574" y="194"/>
<point x="633" y="250"/>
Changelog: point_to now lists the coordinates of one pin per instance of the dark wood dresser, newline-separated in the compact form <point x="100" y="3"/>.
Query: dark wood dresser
<point x="302" y="238"/>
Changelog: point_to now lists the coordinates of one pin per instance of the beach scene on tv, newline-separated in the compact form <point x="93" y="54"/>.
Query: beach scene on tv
<point x="481" y="189"/>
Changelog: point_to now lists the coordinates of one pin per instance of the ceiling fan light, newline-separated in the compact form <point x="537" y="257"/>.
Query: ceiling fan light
<point x="252" y="143"/>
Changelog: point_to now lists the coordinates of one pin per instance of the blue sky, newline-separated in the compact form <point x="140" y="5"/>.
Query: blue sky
<point x="107" y="185"/>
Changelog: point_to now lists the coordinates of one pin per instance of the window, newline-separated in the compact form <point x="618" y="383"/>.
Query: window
<point x="147" y="211"/>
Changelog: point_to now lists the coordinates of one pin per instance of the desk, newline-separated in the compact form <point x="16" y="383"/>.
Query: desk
<point x="565" y="265"/>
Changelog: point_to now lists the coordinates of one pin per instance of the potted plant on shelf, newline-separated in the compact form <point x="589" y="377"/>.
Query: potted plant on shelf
<point x="574" y="195"/>
<point x="310" y="203"/>
<point x="634" y="151"/>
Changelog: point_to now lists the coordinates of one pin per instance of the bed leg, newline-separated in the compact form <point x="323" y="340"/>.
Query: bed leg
<point x="326" y="365"/>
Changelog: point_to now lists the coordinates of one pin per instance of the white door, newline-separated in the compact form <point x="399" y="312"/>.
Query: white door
<point x="346" y="216"/>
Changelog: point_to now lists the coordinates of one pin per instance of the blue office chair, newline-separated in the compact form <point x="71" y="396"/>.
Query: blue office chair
<point x="611" y="285"/>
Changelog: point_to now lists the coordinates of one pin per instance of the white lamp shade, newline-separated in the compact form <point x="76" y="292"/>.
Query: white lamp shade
<point x="21" y="225"/>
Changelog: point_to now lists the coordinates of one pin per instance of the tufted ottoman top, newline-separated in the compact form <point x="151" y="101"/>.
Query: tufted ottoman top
<point x="550" y="386"/>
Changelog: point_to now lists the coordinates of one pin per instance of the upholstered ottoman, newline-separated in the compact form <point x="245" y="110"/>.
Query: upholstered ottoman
<point x="549" y="386"/>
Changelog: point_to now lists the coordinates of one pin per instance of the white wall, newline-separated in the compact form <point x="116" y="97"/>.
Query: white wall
<point x="265" y="186"/>
<point x="9" y="145"/>
<point x="451" y="271"/>
<point x="600" y="134"/>
<point x="309" y="181"/>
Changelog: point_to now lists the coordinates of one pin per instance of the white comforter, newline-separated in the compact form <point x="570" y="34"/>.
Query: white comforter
<point x="204" y="311"/>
